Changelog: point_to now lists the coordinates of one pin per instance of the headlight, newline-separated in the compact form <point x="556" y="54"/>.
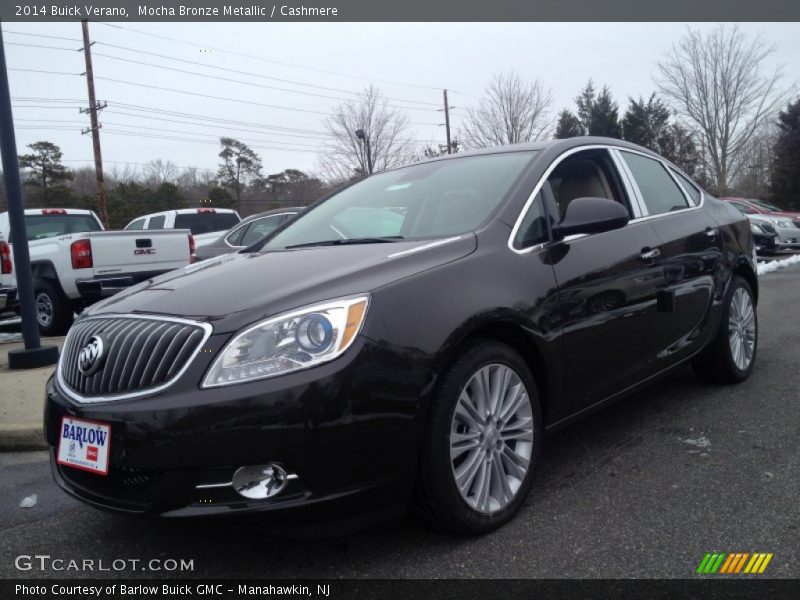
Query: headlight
<point x="785" y="224"/>
<point x="297" y="340"/>
<point x="756" y="228"/>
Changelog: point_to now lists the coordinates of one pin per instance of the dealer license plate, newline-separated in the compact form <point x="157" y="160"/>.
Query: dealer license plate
<point x="84" y="445"/>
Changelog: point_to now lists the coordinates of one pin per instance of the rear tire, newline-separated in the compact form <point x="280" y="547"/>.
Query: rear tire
<point x="477" y="465"/>
<point x="53" y="309"/>
<point x="731" y="355"/>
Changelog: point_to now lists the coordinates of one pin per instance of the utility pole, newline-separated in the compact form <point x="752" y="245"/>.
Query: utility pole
<point x="447" y="122"/>
<point x="95" y="128"/>
<point x="33" y="354"/>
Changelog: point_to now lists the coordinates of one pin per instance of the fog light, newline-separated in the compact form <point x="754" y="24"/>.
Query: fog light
<point x="259" y="481"/>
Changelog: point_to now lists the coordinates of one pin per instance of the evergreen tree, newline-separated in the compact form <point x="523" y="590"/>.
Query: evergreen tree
<point x="568" y="125"/>
<point x="45" y="166"/>
<point x="786" y="165"/>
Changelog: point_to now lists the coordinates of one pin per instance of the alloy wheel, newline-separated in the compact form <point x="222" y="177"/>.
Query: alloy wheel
<point x="742" y="329"/>
<point x="491" y="438"/>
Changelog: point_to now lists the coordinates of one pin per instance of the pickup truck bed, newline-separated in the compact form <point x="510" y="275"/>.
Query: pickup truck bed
<point x="75" y="263"/>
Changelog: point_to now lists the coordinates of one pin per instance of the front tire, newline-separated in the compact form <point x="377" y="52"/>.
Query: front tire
<point x="53" y="310"/>
<point x="731" y="355"/>
<point x="482" y="441"/>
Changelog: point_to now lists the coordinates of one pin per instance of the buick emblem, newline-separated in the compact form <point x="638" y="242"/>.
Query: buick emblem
<point x="91" y="356"/>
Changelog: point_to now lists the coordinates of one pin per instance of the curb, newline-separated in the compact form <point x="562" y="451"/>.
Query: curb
<point x="22" y="437"/>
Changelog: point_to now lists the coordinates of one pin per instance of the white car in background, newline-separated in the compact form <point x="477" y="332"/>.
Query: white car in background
<point x="205" y="223"/>
<point x="788" y="233"/>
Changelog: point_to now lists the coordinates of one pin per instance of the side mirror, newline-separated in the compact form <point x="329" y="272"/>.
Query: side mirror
<point x="591" y="215"/>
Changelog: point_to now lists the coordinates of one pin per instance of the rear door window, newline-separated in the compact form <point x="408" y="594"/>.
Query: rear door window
<point x="659" y="191"/>
<point x="137" y="224"/>
<point x="261" y="228"/>
<point x="157" y="222"/>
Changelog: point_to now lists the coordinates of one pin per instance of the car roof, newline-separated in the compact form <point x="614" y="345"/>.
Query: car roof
<point x="275" y="211"/>
<point x="552" y="146"/>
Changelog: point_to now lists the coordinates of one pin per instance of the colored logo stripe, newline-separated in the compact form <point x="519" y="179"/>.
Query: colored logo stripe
<point x="720" y="562"/>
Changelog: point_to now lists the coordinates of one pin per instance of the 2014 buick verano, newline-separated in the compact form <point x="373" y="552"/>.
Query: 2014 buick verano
<point x="407" y="340"/>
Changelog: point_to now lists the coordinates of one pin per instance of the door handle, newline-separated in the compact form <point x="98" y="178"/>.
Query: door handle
<point x="650" y="253"/>
<point x="711" y="232"/>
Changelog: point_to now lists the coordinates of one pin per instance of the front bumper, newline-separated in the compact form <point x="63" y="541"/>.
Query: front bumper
<point x="788" y="238"/>
<point x="348" y="429"/>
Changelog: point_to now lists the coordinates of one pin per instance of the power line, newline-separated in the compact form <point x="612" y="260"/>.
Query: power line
<point x="271" y="61"/>
<point x="250" y="83"/>
<point x="139" y="51"/>
<point x="197" y="94"/>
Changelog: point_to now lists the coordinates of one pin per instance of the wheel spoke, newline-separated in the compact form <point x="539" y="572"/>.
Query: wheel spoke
<point x="461" y="442"/>
<point x="502" y="479"/>
<point x="484" y="483"/>
<point x="501" y="380"/>
<point x="466" y="473"/>
<point x="515" y="464"/>
<point x="468" y="412"/>
<point x="516" y="398"/>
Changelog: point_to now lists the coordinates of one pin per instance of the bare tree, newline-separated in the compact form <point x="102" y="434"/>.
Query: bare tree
<point x="344" y="155"/>
<point x="512" y="111"/>
<point x="160" y="171"/>
<point x="720" y="82"/>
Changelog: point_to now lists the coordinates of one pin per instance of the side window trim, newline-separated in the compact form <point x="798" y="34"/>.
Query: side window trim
<point x="689" y="201"/>
<point x="631" y="187"/>
<point x="243" y="229"/>
<point x="629" y="181"/>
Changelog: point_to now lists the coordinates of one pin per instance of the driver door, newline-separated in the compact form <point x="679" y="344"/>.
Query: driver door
<point x="610" y="325"/>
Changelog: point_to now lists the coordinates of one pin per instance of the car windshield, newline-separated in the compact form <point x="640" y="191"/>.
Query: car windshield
<point x="428" y="200"/>
<point x="205" y="222"/>
<point x="766" y="205"/>
<point x="45" y="226"/>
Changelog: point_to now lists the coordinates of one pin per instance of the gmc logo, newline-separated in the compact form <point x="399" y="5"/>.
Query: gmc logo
<point x="140" y="251"/>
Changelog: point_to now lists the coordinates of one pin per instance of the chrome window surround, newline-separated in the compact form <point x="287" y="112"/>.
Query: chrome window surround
<point x="638" y="208"/>
<point x="227" y="243"/>
<point x="63" y="387"/>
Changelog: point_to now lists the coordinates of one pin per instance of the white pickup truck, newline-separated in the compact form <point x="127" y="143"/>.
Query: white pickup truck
<point x="8" y="292"/>
<point x="205" y="223"/>
<point x="74" y="262"/>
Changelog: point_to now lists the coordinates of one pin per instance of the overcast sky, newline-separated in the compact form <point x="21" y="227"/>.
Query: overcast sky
<point x="411" y="63"/>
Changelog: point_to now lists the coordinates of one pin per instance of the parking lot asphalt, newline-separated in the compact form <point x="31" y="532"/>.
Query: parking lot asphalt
<point x="642" y="489"/>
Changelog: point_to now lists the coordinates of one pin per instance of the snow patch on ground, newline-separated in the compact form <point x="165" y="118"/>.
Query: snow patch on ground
<point x="701" y="442"/>
<point x="769" y="267"/>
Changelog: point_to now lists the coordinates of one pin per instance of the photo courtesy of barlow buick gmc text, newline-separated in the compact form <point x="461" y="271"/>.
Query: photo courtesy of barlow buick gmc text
<point x="384" y="300"/>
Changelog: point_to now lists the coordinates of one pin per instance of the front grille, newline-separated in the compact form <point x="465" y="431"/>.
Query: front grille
<point x="134" y="488"/>
<point x="139" y="354"/>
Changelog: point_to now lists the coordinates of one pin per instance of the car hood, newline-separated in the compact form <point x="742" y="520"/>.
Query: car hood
<point x="237" y="289"/>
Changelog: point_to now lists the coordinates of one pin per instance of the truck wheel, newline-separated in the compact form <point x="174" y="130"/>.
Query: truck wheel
<point x="53" y="310"/>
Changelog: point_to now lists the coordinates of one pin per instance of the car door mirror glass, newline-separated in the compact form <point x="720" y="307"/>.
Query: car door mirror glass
<point x="591" y="215"/>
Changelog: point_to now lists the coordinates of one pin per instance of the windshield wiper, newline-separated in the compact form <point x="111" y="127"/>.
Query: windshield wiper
<point x="364" y="240"/>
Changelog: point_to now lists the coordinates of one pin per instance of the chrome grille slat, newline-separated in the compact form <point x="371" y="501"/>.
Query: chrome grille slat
<point x="142" y="354"/>
<point x="148" y="376"/>
<point x="163" y="365"/>
<point x="114" y="332"/>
